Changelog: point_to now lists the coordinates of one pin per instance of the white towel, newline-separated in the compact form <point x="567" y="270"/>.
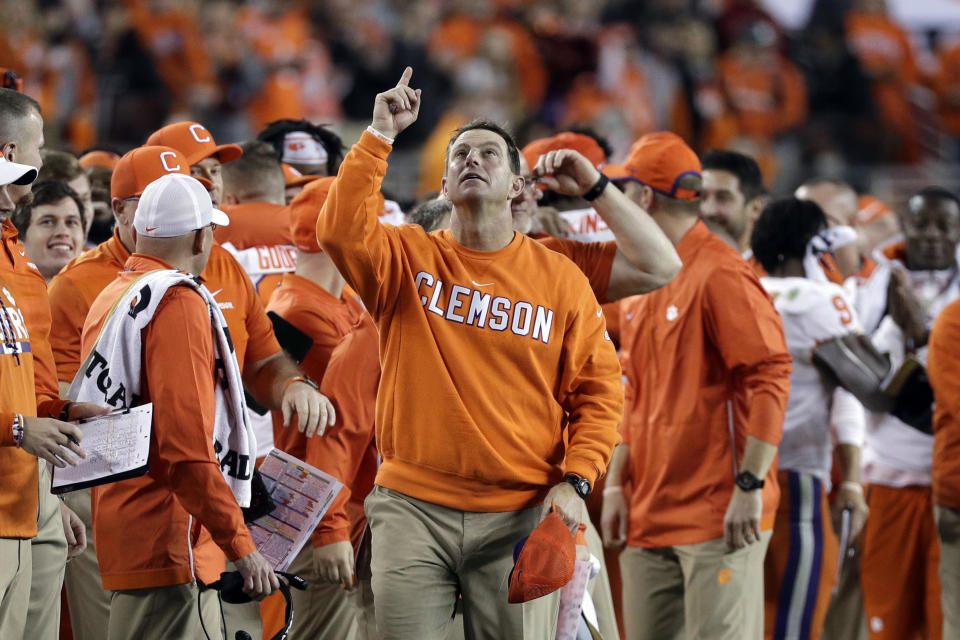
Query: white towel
<point x="111" y="373"/>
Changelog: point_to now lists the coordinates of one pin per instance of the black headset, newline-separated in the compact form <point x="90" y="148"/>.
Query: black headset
<point x="230" y="588"/>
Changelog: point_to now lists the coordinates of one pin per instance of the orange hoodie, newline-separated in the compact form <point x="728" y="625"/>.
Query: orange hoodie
<point x="28" y="383"/>
<point x="483" y="354"/>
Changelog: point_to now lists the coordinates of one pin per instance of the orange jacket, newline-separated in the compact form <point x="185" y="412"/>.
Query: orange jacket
<point x="169" y="526"/>
<point x="706" y="365"/>
<point x="74" y="289"/>
<point x="349" y="451"/>
<point x="312" y="309"/>
<point x="943" y="367"/>
<point x="28" y="384"/>
<point x="484" y="354"/>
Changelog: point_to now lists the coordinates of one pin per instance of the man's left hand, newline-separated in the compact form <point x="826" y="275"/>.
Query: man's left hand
<point x="850" y="498"/>
<point x="570" y="506"/>
<point x="314" y="410"/>
<point x="741" y="524"/>
<point x="73" y="531"/>
<point x="566" y="171"/>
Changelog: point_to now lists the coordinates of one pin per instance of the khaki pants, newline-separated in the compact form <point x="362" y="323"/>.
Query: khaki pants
<point x="696" y="591"/>
<point x="362" y="599"/>
<point x="324" y="611"/>
<point x="15" y="565"/>
<point x="160" y="613"/>
<point x="89" y="602"/>
<point x="845" y="617"/>
<point x="49" y="551"/>
<point x="948" y="528"/>
<point x="599" y="588"/>
<point x="423" y="555"/>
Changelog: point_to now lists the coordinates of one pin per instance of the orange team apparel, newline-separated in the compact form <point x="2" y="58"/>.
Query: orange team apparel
<point x="183" y="510"/>
<point x="707" y="365"/>
<point x="74" y="289"/>
<point x="447" y="418"/>
<point x="28" y="384"/>
<point x="259" y="238"/>
<point x="944" y="374"/>
<point x="326" y="319"/>
<point x="768" y="100"/>
<point x="947" y="85"/>
<point x="352" y="375"/>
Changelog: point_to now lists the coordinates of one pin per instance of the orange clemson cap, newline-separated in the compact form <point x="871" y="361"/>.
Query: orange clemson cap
<point x="543" y="562"/>
<point x="99" y="158"/>
<point x="303" y="218"/>
<point x="293" y="178"/>
<point x="659" y="160"/>
<point x="194" y="141"/>
<point x="586" y="145"/>
<point x="141" y="166"/>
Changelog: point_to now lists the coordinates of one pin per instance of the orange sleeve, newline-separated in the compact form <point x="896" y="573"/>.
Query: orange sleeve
<point x="591" y="392"/>
<point x="745" y="327"/>
<point x="49" y="402"/>
<point x="349" y="227"/>
<point x="68" y="310"/>
<point x="351" y="384"/>
<point x="594" y="259"/>
<point x="943" y="367"/>
<point x="179" y="373"/>
<point x="261" y="343"/>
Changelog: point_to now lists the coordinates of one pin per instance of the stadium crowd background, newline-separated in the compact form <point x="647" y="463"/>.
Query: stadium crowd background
<point x="845" y="89"/>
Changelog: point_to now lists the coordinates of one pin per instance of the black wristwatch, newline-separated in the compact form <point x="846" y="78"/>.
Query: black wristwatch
<point x="580" y="485"/>
<point x="749" y="482"/>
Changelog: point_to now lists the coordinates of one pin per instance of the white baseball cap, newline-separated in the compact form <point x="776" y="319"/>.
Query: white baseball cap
<point x="14" y="173"/>
<point x="174" y="205"/>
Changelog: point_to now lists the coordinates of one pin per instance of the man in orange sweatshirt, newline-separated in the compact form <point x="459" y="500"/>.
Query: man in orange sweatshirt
<point x="488" y="342"/>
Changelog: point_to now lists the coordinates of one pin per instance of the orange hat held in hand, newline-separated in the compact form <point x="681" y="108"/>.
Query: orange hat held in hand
<point x="544" y="561"/>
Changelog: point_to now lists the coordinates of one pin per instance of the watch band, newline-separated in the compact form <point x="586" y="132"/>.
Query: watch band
<point x="303" y="379"/>
<point x="594" y="192"/>
<point x="580" y="485"/>
<point x="748" y="482"/>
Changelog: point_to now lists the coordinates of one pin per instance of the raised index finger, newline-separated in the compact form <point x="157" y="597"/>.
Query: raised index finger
<point x="405" y="78"/>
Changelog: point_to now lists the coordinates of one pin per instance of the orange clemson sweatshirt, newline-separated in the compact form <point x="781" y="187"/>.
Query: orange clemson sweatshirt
<point x="487" y="356"/>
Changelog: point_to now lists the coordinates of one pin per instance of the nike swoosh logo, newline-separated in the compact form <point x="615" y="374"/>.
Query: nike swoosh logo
<point x="214" y="293"/>
<point x="481" y="285"/>
<point x="599" y="313"/>
<point x="150" y="229"/>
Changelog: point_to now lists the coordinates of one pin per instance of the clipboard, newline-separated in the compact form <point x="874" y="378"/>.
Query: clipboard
<point x="117" y="446"/>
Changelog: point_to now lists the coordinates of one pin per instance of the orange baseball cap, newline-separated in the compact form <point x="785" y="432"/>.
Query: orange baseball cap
<point x="141" y="166"/>
<point x="99" y="158"/>
<point x="294" y="178"/>
<point x="303" y="220"/>
<point x="659" y="160"/>
<point x="543" y="562"/>
<point x="194" y="141"/>
<point x="566" y="140"/>
<point x="870" y="208"/>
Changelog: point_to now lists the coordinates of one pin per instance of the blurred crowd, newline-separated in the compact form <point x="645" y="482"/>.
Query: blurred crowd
<point x="851" y="89"/>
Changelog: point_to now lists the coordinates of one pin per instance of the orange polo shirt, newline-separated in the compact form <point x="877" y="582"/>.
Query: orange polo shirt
<point x="326" y="319"/>
<point x="943" y="367"/>
<point x="484" y="354"/>
<point x="28" y="384"/>
<point x="176" y="523"/>
<point x="706" y="365"/>
<point x="74" y="289"/>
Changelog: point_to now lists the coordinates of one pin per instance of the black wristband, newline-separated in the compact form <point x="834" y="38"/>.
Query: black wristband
<point x="596" y="189"/>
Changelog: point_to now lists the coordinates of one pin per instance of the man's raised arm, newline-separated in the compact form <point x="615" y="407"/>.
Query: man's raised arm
<point x="348" y="228"/>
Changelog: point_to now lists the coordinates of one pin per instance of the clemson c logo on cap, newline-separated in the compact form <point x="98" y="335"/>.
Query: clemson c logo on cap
<point x="194" y="128"/>
<point x="295" y="146"/>
<point x="163" y="161"/>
